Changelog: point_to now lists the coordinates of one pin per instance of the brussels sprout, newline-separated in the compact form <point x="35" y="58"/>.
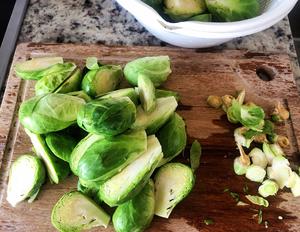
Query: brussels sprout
<point x="109" y="116"/>
<point x="268" y="188"/>
<point x="51" y="82"/>
<point x="157" y="68"/>
<point x="146" y="93"/>
<point x="172" y="137"/>
<point x="36" y="68"/>
<point x="233" y="10"/>
<point x="98" y="158"/>
<point x="129" y="92"/>
<point x="102" y="80"/>
<point x="201" y="18"/>
<point x="76" y="212"/>
<point x="61" y="145"/>
<point x="173" y="182"/>
<point x="258" y="157"/>
<point x="195" y="155"/>
<point x="160" y="93"/>
<point x="71" y="84"/>
<point x="129" y="182"/>
<point x="81" y="94"/>
<point x="137" y="213"/>
<point x="255" y="173"/>
<point x="26" y="176"/>
<point x="165" y="107"/>
<point x="50" y="112"/>
<point x="179" y="10"/>
<point x="57" y="169"/>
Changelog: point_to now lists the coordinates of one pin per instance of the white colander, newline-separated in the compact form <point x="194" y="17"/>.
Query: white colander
<point x="206" y="34"/>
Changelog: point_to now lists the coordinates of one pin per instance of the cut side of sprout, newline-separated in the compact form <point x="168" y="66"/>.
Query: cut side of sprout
<point x="239" y="167"/>
<point x="240" y="139"/>
<point x="258" y="158"/>
<point x="255" y="173"/>
<point x="268" y="188"/>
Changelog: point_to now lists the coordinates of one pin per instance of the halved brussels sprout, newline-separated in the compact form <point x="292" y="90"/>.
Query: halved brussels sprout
<point x="160" y="93"/>
<point x="233" y="10"/>
<point x="173" y="182"/>
<point x="129" y="182"/>
<point x="165" y="107"/>
<point x="146" y="93"/>
<point x="26" y="176"/>
<point x="157" y="68"/>
<point x="102" y="80"/>
<point x="109" y="116"/>
<point x="76" y="212"/>
<point x="51" y="82"/>
<point x="61" y="145"/>
<point x="129" y="92"/>
<point x="72" y="83"/>
<point x="97" y="158"/>
<point x="172" y="137"/>
<point x="180" y="10"/>
<point x="268" y="188"/>
<point x="57" y="169"/>
<point x="50" y="112"/>
<point x="137" y="213"/>
<point x="36" y="68"/>
<point x="255" y="173"/>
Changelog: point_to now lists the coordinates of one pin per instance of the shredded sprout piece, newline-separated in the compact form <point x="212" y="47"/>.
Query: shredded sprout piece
<point x="240" y="138"/>
<point x="257" y="200"/>
<point x="283" y="141"/>
<point x="258" y="157"/>
<point x="195" y="155"/>
<point x="269" y="153"/>
<point x="260" y="216"/>
<point x="255" y="173"/>
<point x="268" y="188"/>
<point x="241" y="203"/>
<point x="244" y="158"/>
<point x="92" y="63"/>
<point x="294" y="184"/>
<point x="277" y="150"/>
<point x="227" y="100"/>
<point x="239" y="167"/>
<point x="280" y="113"/>
<point x="208" y="221"/>
<point x="241" y="97"/>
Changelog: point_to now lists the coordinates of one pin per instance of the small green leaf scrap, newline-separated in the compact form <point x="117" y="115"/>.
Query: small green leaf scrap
<point x="195" y="155"/>
<point x="257" y="200"/>
<point x="208" y="221"/>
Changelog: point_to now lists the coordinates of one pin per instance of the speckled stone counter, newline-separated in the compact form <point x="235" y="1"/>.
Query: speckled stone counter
<point x="105" y="22"/>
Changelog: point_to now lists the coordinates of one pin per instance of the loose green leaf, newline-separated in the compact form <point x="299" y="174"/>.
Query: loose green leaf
<point x="92" y="63"/>
<point x="195" y="155"/>
<point x="260" y="216"/>
<point x="257" y="200"/>
<point x="208" y="221"/>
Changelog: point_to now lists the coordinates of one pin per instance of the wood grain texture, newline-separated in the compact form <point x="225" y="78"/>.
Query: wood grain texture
<point x="195" y="76"/>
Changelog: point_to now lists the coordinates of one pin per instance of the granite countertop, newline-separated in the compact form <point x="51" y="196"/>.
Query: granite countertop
<point x="105" y="22"/>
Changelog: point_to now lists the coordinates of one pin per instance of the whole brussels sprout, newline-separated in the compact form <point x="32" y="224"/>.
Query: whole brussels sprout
<point x="233" y="10"/>
<point x="109" y="116"/>
<point x="102" y="80"/>
<point x="137" y="213"/>
<point x="51" y="82"/>
<point x="157" y="68"/>
<point x="49" y="112"/>
<point x="179" y="10"/>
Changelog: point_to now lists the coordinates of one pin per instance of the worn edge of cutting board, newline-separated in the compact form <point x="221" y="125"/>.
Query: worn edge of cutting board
<point x="15" y="89"/>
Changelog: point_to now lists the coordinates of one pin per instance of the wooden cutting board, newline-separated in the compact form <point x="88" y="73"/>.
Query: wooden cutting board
<point x="195" y="76"/>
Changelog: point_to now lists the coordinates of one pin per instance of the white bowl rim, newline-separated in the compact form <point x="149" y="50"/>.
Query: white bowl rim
<point x="243" y="27"/>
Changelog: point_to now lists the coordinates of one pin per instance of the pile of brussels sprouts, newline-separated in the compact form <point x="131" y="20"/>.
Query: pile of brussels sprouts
<point x="205" y="10"/>
<point x="114" y="140"/>
<point x="266" y="162"/>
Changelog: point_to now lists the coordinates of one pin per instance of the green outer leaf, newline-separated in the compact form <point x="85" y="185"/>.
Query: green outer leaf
<point x="159" y="93"/>
<point x="157" y="68"/>
<point x="129" y="92"/>
<point x="51" y="82"/>
<point x="38" y="171"/>
<point x="106" y="157"/>
<point x="234" y="112"/>
<point x="195" y="155"/>
<point x="233" y="10"/>
<point x="110" y="116"/>
<point x="172" y="137"/>
<point x="130" y="181"/>
<point x="36" y="68"/>
<point x="257" y="200"/>
<point x="146" y="93"/>
<point x="50" y="112"/>
<point x="105" y="79"/>
<point x="57" y="169"/>
<point x="81" y="94"/>
<point x="137" y="213"/>
<point x="165" y="107"/>
<point x="75" y="212"/>
<point x="61" y="145"/>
